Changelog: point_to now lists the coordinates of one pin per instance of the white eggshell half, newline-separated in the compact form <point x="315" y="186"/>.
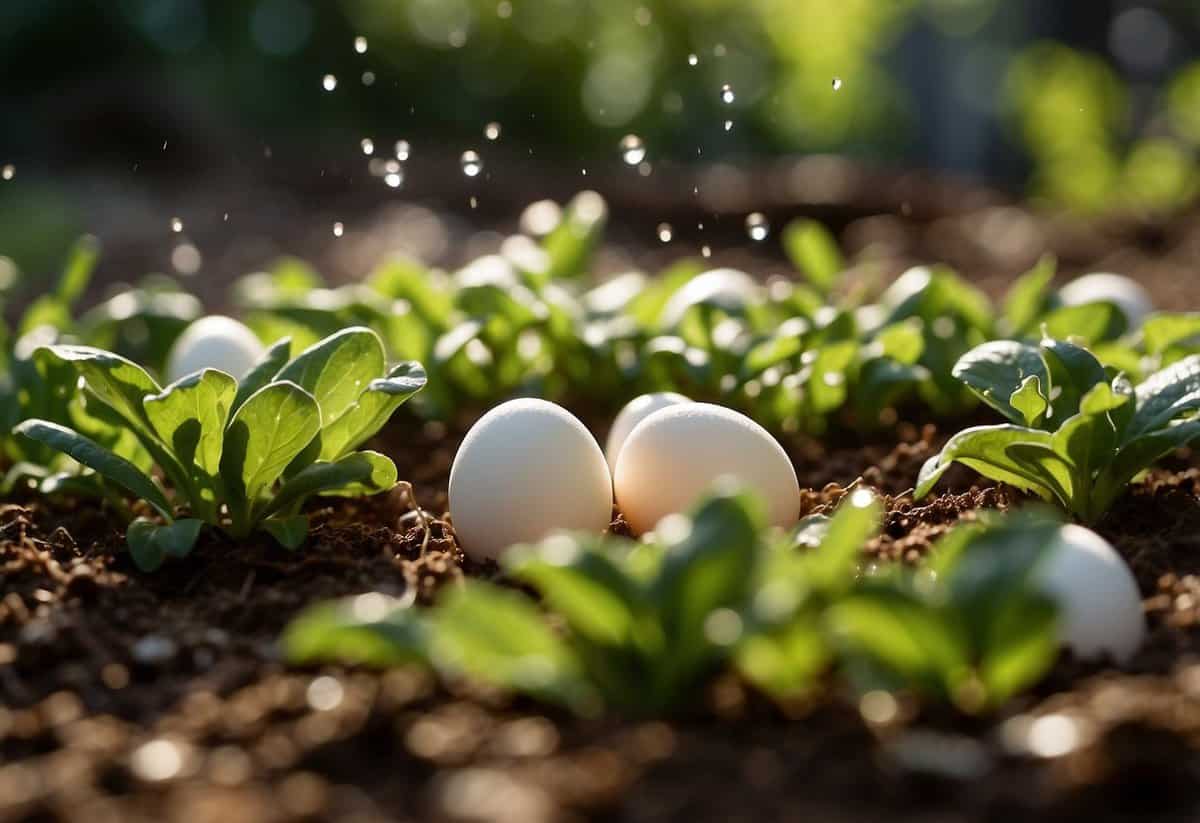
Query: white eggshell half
<point x="1128" y="296"/>
<point x="634" y="412"/>
<point x="730" y="289"/>
<point x="1100" y="607"/>
<point x="525" y="469"/>
<point x="214" y="342"/>
<point x="675" y="455"/>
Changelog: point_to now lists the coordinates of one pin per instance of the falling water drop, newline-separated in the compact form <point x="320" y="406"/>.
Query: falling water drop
<point x="728" y="125"/>
<point x="665" y="232"/>
<point x="472" y="163"/>
<point x="492" y="131"/>
<point x="368" y="78"/>
<point x="645" y="169"/>
<point x="360" y="44"/>
<point x="705" y="251"/>
<point x="757" y="226"/>
<point x="837" y="84"/>
<point x="368" y="146"/>
<point x="402" y="150"/>
<point x="727" y="95"/>
<point x="693" y="60"/>
<point x="176" y="225"/>
<point x="329" y="82"/>
<point x="393" y="179"/>
<point x="338" y="229"/>
<point x="633" y="150"/>
<point x="8" y="171"/>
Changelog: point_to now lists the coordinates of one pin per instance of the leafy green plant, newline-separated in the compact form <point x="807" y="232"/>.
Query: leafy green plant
<point x="242" y="457"/>
<point x="1077" y="436"/>
<point x="640" y="628"/>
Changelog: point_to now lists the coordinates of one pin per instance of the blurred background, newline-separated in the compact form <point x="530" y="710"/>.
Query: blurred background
<point x="239" y="129"/>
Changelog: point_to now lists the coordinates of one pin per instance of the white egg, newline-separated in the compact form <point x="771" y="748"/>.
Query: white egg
<point x="525" y="469"/>
<point x="675" y="455"/>
<point x="1100" y="607"/>
<point x="214" y="342"/>
<point x="730" y="289"/>
<point x="1126" y="294"/>
<point x="634" y="412"/>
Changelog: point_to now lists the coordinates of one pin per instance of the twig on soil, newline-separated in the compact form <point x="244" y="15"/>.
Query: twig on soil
<point x="417" y="512"/>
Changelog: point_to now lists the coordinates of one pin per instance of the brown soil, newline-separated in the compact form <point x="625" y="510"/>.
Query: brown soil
<point x="137" y="697"/>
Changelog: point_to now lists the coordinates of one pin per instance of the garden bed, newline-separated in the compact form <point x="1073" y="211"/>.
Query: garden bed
<point x="131" y="696"/>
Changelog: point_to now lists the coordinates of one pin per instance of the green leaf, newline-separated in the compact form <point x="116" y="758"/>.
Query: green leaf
<point x="1019" y="646"/>
<point x="99" y="459"/>
<point x="814" y="252"/>
<point x="997" y="370"/>
<point x="263" y="372"/>
<point x="827" y="385"/>
<point x="1073" y="372"/>
<point x="708" y="569"/>
<point x="1029" y="402"/>
<point x="901" y="635"/>
<point x="569" y="247"/>
<point x="337" y="370"/>
<point x="289" y="532"/>
<point x="499" y="637"/>
<point x="786" y="662"/>
<point x="357" y="473"/>
<point x="1089" y="323"/>
<point x="1138" y="454"/>
<point x="903" y="342"/>
<point x="831" y="568"/>
<point x="266" y="433"/>
<point x="646" y="309"/>
<point x="78" y="272"/>
<point x="580" y="578"/>
<point x="369" y="630"/>
<point x="1026" y="300"/>
<point x="117" y="382"/>
<point x="986" y="450"/>
<point x="1166" y="394"/>
<point x="150" y="543"/>
<point x="1162" y="331"/>
<point x="372" y="409"/>
<point x="190" y="416"/>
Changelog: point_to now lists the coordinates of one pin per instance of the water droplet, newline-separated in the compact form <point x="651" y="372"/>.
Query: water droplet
<point x="393" y="179"/>
<point x="837" y="84"/>
<point x="402" y="150"/>
<point x="338" y="229"/>
<point x="368" y="146"/>
<point x="665" y="232"/>
<point x="8" y="172"/>
<point x="705" y="251"/>
<point x="472" y="163"/>
<point x="176" y="225"/>
<point x="583" y="172"/>
<point x="633" y="150"/>
<point x="474" y="202"/>
<point x="491" y="131"/>
<point x="328" y="82"/>
<point x="693" y="60"/>
<point x="504" y="9"/>
<point x="360" y="44"/>
<point x="728" y="125"/>
<point x="368" y="78"/>
<point x="644" y="168"/>
<point x="757" y="226"/>
<point x="727" y="95"/>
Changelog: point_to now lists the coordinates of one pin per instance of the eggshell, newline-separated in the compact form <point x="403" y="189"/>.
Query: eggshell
<point x="730" y="289"/>
<point x="214" y="342"/>
<point x="675" y="455"/>
<point x="525" y="469"/>
<point x="634" y="412"/>
<point x="1100" y="607"/>
<point x="1128" y="296"/>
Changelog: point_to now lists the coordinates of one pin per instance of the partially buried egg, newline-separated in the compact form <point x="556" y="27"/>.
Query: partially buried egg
<point x="634" y="412"/>
<point x="1126" y="294"/>
<point x="1100" y="607"/>
<point x="525" y="469"/>
<point x="675" y="455"/>
<point x="214" y="342"/>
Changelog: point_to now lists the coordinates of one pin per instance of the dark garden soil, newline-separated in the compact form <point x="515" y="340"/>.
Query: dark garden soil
<point x="131" y="697"/>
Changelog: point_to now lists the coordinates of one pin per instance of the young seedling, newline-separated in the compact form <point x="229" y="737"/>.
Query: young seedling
<point x="241" y="457"/>
<point x="1077" y="436"/>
